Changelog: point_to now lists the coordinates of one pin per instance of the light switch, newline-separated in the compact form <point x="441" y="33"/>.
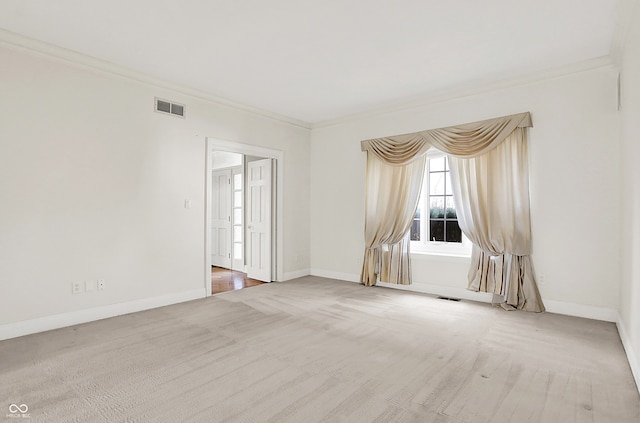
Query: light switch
<point x="187" y="203"/>
<point x="89" y="285"/>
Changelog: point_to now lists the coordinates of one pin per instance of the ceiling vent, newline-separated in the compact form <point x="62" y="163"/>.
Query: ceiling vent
<point x="169" y="107"/>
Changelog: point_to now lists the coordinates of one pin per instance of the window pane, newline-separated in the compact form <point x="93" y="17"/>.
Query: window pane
<point x="436" y="164"/>
<point x="237" y="199"/>
<point x="237" y="181"/>
<point x="436" y="207"/>
<point x="451" y="209"/>
<point x="415" y="230"/>
<point x="454" y="234"/>
<point x="237" y="233"/>
<point x="237" y="216"/>
<point x="237" y="251"/>
<point x="436" y="230"/>
<point x="449" y="187"/>
<point x="436" y="183"/>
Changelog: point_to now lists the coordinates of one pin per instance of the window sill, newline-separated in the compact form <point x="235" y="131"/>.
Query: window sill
<point x="443" y="249"/>
<point x="452" y="254"/>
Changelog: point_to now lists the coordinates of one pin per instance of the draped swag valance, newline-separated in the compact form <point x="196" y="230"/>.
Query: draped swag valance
<point x="464" y="141"/>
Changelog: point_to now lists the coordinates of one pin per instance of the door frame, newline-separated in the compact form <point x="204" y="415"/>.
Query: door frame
<point x="277" y="271"/>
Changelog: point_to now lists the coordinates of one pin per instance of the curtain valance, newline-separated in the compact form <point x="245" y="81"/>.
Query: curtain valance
<point x="464" y="141"/>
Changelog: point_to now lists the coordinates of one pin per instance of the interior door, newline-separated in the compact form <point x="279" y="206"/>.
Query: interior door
<point x="221" y="218"/>
<point x="259" y="220"/>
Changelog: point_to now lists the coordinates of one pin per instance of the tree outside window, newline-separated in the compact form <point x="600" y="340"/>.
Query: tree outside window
<point x="436" y="220"/>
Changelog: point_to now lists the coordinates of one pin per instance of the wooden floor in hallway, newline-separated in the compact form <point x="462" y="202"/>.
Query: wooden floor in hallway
<point x="223" y="280"/>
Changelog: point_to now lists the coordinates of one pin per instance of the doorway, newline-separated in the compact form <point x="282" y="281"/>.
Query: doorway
<point x="227" y="210"/>
<point x="243" y="236"/>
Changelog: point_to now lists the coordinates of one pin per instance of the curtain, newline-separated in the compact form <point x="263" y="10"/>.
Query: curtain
<point x="467" y="140"/>
<point x="491" y="193"/>
<point x="500" y="263"/>
<point x="391" y="201"/>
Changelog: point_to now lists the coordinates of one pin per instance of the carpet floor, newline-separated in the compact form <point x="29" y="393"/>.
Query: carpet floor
<point x="320" y="350"/>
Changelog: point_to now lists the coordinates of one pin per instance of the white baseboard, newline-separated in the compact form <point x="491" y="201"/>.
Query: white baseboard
<point x="581" y="310"/>
<point x="632" y="358"/>
<point x="349" y="277"/>
<point x="552" y="306"/>
<point x="41" y="324"/>
<point x="441" y="290"/>
<point x="287" y="276"/>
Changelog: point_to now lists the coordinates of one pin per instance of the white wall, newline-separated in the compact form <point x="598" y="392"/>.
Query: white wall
<point x="630" y="136"/>
<point x="224" y="159"/>
<point x="93" y="184"/>
<point x="574" y="154"/>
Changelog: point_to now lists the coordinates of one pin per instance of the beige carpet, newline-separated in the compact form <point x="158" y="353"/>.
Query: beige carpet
<point x="318" y="350"/>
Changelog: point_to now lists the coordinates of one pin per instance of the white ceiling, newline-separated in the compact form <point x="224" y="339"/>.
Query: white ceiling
<point x="319" y="60"/>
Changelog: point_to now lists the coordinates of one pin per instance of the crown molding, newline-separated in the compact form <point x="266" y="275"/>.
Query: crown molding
<point x="70" y="57"/>
<point x="35" y="47"/>
<point x="476" y="88"/>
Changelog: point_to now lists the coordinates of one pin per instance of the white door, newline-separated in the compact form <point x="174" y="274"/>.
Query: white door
<point x="221" y="218"/>
<point x="259" y="220"/>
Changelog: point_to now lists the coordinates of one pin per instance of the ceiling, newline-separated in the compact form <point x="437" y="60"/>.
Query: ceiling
<point x="320" y="60"/>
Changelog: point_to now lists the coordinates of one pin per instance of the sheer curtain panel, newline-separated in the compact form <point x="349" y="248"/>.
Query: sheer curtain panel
<point x="392" y="194"/>
<point x="491" y="193"/>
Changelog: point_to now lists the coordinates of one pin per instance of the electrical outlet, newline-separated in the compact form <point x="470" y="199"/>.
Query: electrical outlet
<point x="90" y="285"/>
<point x="100" y="284"/>
<point x="77" y="287"/>
<point x="541" y="280"/>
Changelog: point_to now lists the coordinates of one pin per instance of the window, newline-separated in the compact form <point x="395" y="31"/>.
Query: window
<point x="237" y="224"/>
<point x="435" y="226"/>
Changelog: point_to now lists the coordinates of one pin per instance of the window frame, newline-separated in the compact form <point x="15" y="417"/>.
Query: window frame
<point x="424" y="246"/>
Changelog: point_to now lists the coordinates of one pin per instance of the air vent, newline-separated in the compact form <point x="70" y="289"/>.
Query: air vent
<point x="169" y="107"/>
<point x="448" y="298"/>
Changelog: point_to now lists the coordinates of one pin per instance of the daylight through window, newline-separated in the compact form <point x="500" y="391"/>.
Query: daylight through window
<point x="436" y="219"/>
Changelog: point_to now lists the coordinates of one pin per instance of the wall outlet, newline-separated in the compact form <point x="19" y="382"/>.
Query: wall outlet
<point x="541" y="280"/>
<point x="90" y="285"/>
<point x="100" y="284"/>
<point x="77" y="287"/>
